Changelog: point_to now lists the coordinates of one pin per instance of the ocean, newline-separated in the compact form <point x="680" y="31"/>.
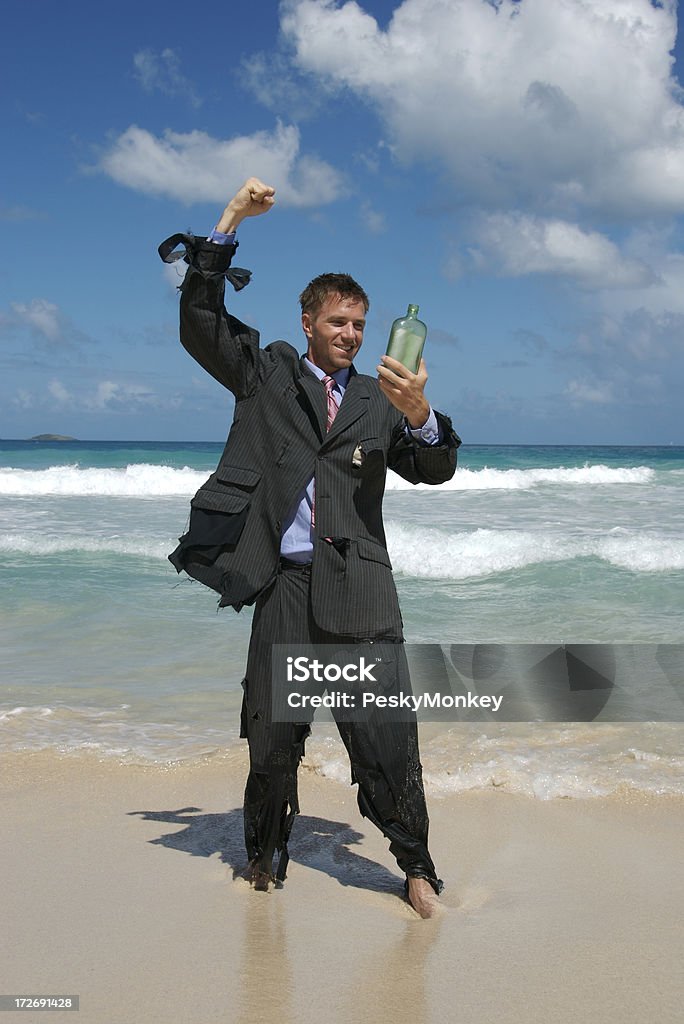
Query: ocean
<point x="107" y="650"/>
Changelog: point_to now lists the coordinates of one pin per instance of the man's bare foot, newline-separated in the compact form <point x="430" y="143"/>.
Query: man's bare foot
<point x="423" y="898"/>
<point x="257" y="878"/>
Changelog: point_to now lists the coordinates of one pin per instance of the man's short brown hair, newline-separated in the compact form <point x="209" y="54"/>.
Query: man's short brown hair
<point x="317" y="291"/>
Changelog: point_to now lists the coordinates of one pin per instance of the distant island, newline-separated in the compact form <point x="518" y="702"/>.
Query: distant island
<point x="52" y="437"/>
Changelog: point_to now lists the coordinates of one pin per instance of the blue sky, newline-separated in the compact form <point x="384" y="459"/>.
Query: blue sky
<point x="514" y="166"/>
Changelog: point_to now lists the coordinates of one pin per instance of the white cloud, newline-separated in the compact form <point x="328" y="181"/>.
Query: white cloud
<point x="590" y="392"/>
<point x="270" y="79"/>
<point x="373" y="220"/>
<point x="652" y="245"/>
<point x="112" y="395"/>
<point x="514" y="244"/>
<point x="552" y="105"/>
<point x="648" y="340"/>
<point x="109" y="396"/>
<point x="59" y="392"/>
<point x="194" y="167"/>
<point x="631" y="361"/>
<point x="41" y="315"/>
<point x="47" y="322"/>
<point x="23" y="399"/>
<point x="160" y="72"/>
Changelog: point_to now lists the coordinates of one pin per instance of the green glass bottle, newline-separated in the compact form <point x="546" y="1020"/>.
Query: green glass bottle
<point x="406" y="339"/>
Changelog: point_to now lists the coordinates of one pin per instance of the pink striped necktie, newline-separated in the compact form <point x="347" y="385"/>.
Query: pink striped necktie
<point x="333" y="409"/>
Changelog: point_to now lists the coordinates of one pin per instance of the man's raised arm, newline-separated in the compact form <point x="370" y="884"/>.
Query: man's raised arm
<point x="221" y="344"/>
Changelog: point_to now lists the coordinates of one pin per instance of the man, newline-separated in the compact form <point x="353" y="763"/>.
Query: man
<point x="292" y="520"/>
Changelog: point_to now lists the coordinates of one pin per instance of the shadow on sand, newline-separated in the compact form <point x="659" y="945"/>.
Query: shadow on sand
<point x="317" y="843"/>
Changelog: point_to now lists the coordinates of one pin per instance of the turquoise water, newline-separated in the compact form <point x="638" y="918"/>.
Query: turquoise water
<point x="105" y="647"/>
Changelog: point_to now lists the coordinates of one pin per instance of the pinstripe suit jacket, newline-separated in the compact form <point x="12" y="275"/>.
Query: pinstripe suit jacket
<point x="277" y="442"/>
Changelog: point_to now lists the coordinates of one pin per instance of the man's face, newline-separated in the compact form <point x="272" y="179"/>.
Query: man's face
<point x="335" y="333"/>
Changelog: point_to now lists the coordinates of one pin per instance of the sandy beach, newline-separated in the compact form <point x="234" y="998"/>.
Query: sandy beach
<point x="119" y="887"/>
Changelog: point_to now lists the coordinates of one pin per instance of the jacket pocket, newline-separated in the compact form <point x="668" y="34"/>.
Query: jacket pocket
<point x="222" y="500"/>
<point x="217" y="519"/>
<point x="373" y="552"/>
<point x="368" y="457"/>
<point x="228" y="490"/>
<point x="238" y="476"/>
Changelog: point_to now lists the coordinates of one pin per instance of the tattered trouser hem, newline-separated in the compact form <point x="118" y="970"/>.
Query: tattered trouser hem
<point x="391" y="794"/>
<point x="270" y="806"/>
<point x="383" y="754"/>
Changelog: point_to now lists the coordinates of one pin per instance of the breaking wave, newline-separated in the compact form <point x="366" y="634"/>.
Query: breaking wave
<point x="416" y="551"/>
<point x="523" y="479"/>
<point x="433" y="554"/>
<point x="138" y="480"/>
<point x="142" y="480"/>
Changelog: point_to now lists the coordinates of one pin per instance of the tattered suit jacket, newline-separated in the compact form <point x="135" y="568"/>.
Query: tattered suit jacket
<point x="277" y="443"/>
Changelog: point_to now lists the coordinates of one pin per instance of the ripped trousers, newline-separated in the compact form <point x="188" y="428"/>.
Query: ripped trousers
<point x="384" y="756"/>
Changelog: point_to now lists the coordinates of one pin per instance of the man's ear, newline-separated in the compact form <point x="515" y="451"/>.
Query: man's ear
<point x="306" y="324"/>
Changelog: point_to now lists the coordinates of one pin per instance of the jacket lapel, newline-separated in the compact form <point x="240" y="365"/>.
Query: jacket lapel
<point x="354" y="405"/>
<point x="310" y="396"/>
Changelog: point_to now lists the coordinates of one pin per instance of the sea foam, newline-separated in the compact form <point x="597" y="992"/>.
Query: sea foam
<point x="39" y="544"/>
<point x="142" y="480"/>
<point x="415" y="551"/>
<point x="539" y="761"/>
<point x="522" y="479"/>
<point x="434" y="554"/>
<point x="138" y="480"/>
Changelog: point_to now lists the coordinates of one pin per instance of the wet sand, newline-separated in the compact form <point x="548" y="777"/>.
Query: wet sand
<point x="118" y="886"/>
